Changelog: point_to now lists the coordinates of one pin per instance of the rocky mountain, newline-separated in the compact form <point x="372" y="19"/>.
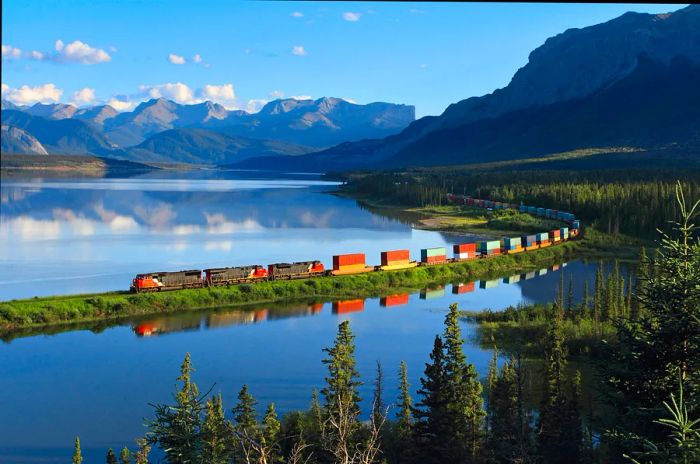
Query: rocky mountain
<point x="590" y="78"/>
<point x="95" y="114"/>
<point x="61" y="136"/>
<point x="201" y="146"/>
<point x="16" y="140"/>
<point x="321" y="123"/>
<point x="51" y="110"/>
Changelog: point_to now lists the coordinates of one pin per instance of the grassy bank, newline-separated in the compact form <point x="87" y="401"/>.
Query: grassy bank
<point x="71" y="309"/>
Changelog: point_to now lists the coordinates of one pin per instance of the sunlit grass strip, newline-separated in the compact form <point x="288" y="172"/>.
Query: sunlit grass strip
<point x="78" y="308"/>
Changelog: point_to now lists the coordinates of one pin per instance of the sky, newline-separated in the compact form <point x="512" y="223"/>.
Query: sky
<point x="244" y="53"/>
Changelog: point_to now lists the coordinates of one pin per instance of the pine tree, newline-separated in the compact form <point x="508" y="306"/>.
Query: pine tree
<point x="492" y="375"/>
<point x="570" y="298"/>
<point x="666" y="336"/>
<point x="245" y="425"/>
<point x="270" y="435"/>
<point x="377" y="400"/>
<point x="404" y="417"/>
<point x="125" y="456"/>
<point x="465" y="404"/>
<point x="177" y="429"/>
<point x="598" y="296"/>
<point x="111" y="457"/>
<point x="432" y="426"/>
<point x="585" y="304"/>
<point x="215" y="432"/>
<point x="77" y="454"/>
<point x="342" y="381"/>
<point x="504" y="440"/>
<point x="555" y="443"/>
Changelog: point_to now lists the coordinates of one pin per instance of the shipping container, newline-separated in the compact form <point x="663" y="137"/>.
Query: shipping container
<point x="348" y="306"/>
<point x="393" y="300"/>
<point x="464" y="248"/>
<point x="458" y="289"/>
<point x="564" y="232"/>
<point x="548" y="212"/>
<point x="575" y="224"/>
<point x="395" y="257"/>
<point x="523" y="209"/>
<point x="428" y="294"/>
<point x="540" y="211"/>
<point x="428" y="252"/>
<point x="529" y="275"/>
<point x="348" y="260"/>
<point x="316" y="308"/>
<point x="512" y="243"/>
<point x="532" y="209"/>
<point x="488" y="245"/>
<point x="542" y="272"/>
<point x="434" y="260"/>
<point x="554" y="235"/>
<point x="512" y="279"/>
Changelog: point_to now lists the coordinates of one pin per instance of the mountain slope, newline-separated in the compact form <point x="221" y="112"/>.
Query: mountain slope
<point x="570" y="67"/>
<point x="201" y="146"/>
<point x="51" y="110"/>
<point x="16" y="140"/>
<point x="66" y="136"/>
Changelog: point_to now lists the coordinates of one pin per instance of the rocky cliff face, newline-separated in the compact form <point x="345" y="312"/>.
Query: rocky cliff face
<point x="17" y="141"/>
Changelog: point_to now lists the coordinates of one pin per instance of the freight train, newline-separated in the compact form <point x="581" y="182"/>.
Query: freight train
<point x="355" y="263"/>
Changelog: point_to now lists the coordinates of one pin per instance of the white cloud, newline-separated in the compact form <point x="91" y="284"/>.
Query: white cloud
<point x="299" y="50"/>
<point x="223" y="94"/>
<point x="352" y="17"/>
<point x="176" y="59"/>
<point x="35" y="55"/>
<point x="177" y="91"/>
<point x="26" y="95"/>
<point x="79" y="52"/>
<point x="112" y="49"/>
<point x="423" y="66"/>
<point x="121" y="104"/>
<point x="276" y="94"/>
<point x="297" y="14"/>
<point x="84" y="96"/>
<point x="197" y="58"/>
<point x="254" y="105"/>
<point x="10" y="53"/>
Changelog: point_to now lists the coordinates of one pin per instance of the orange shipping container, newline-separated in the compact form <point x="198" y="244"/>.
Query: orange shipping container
<point x="348" y="260"/>
<point x="316" y="307"/>
<point x="395" y="256"/>
<point x="348" y="306"/>
<point x="394" y="300"/>
<point x="465" y="248"/>
<point x="463" y="288"/>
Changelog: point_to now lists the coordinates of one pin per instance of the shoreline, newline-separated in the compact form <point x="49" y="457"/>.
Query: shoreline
<point x="61" y="310"/>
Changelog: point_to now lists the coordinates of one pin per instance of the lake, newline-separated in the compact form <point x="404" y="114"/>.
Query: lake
<point x="74" y="236"/>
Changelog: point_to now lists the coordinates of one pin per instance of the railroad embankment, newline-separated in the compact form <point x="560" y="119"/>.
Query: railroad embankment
<point x="70" y="309"/>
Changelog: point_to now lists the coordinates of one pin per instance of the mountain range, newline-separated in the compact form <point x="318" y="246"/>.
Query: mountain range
<point x="205" y="133"/>
<point x="632" y="81"/>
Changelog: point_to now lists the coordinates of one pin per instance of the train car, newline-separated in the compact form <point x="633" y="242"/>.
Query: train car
<point x="216" y="277"/>
<point x="529" y="242"/>
<point x="396" y="259"/>
<point x="464" y="251"/>
<point x="489" y="248"/>
<point x="433" y="256"/>
<point x="298" y="270"/>
<point x="350" y="264"/>
<point x="161" y="281"/>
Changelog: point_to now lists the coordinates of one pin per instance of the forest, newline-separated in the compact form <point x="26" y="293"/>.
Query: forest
<point x="631" y="202"/>
<point x="643" y="333"/>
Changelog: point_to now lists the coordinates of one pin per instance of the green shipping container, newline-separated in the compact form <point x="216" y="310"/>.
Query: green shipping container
<point x="488" y="283"/>
<point x="430" y="252"/>
<point x="490" y="245"/>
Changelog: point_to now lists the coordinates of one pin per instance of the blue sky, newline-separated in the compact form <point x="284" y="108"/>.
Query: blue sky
<point x="249" y="52"/>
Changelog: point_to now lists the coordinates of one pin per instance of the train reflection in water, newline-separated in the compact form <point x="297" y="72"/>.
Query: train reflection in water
<point x="218" y="319"/>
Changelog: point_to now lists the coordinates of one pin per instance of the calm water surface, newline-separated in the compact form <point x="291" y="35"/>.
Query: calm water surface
<point x="93" y="235"/>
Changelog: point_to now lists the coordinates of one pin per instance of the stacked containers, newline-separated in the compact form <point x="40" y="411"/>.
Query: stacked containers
<point x="564" y="232"/>
<point x="396" y="259"/>
<point x="429" y="293"/>
<point x="555" y="235"/>
<point x="548" y="212"/>
<point x="433" y="255"/>
<point x="540" y="211"/>
<point x="523" y="209"/>
<point x="489" y="248"/>
<point x="350" y="264"/>
<point x="575" y="224"/>
<point x="464" y="251"/>
<point x="470" y="201"/>
<point x="488" y="283"/>
<point x="512" y="244"/>
<point x="532" y="209"/>
<point x="543" y="239"/>
<point x="512" y="279"/>
<point x="529" y="242"/>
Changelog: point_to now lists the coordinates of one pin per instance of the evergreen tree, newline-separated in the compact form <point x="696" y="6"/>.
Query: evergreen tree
<point x="245" y="425"/>
<point x="125" y="456"/>
<point x="342" y="381"/>
<point x="177" y="429"/>
<point x="598" y="296"/>
<point x="464" y="392"/>
<point x="377" y="400"/>
<point x="111" y="457"/>
<point x="665" y="337"/>
<point x="143" y="452"/>
<point x="432" y="426"/>
<point x="402" y="448"/>
<point x="492" y="375"/>
<point x="555" y="441"/>
<point x="643" y="274"/>
<point x="270" y="435"/>
<point x="585" y="303"/>
<point x="77" y="454"/>
<point x="215" y="432"/>
<point x="570" y="298"/>
<point x="505" y="424"/>
<point x="404" y="417"/>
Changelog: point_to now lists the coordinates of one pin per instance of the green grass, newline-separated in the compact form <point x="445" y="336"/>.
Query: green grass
<point x="70" y="309"/>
